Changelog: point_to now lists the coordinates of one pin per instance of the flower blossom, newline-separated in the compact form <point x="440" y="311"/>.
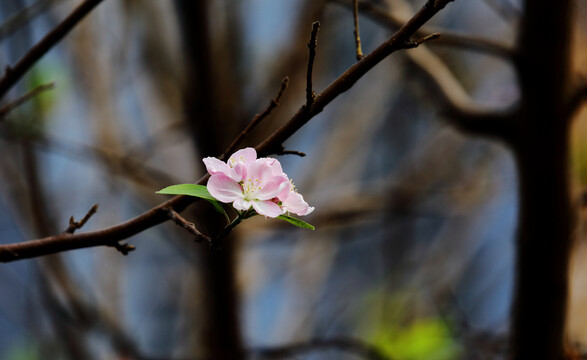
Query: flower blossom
<point x="246" y="182"/>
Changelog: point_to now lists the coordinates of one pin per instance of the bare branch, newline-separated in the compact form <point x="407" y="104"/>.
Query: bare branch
<point x="257" y="119"/>
<point x="578" y="96"/>
<point x="414" y="44"/>
<point x="24" y="98"/>
<point x="74" y="225"/>
<point x="312" y="47"/>
<point x="23" y="17"/>
<point x="13" y="74"/>
<point x="189" y="226"/>
<point x="465" y="42"/>
<point x="292" y="152"/>
<point x="356" y="31"/>
<point x="460" y="110"/>
<point x="274" y="143"/>
<point x="344" y="344"/>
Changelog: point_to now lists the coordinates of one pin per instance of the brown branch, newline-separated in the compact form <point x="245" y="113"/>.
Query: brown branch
<point x="24" y="98"/>
<point x="257" y="119"/>
<point x="465" y="42"/>
<point x="414" y="44"/>
<point x="356" y="30"/>
<point x="189" y="226"/>
<point x="13" y="74"/>
<point x="312" y="47"/>
<point x="459" y="109"/>
<point x="75" y="225"/>
<point x="272" y="144"/>
<point x="345" y="344"/>
<point x="23" y="17"/>
<point x="578" y="96"/>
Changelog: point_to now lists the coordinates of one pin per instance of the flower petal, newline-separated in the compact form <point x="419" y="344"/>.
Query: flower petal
<point x="267" y="208"/>
<point x="214" y="166"/>
<point x="241" y="204"/>
<point x="295" y="203"/>
<point x="224" y="189"/>
<point x="270" y="189"/>
<point x="245" y="156"/>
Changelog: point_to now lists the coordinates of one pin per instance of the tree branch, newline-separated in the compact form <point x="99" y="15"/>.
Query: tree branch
<point x="350" y="345"/>
<point x="190" y="227"/>
<point x="13" y="74"/>
<point x="312" y="47"/>
<point x="465" y="42"/>
<point x="272" y="144"/>
<point x="24" y="98"/>
<point x="460" y="110"/>
<point x="356" y="30"/>
<point x="257" y="119"/>
<point x="75" y="225"/>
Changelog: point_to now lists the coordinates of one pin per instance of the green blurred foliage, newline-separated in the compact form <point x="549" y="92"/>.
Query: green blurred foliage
<point x="400" y="334"/>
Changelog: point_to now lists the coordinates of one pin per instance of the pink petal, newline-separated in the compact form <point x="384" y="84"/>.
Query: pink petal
<point x="245" y="156"/>
<point x="267" y="208"/>
<point x="224" y="189"/>
<point x="241" y="204"/>
<point x="214" y="166"/>
<point x="295" y="203"/>
<point x="239" y="172"/>
<point x="270" y="189"/>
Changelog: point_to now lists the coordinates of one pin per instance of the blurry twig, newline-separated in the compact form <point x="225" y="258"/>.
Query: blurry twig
<point x="466" y="42"/>
<point x="13" y="74"/>
<point x="189" y="226"/>
<point x="312" y="47"/>
<point x="24" y="98"/>
<point x="292" y="152"/>
<point x="505" y="9"/>
<point x="351" y="345"/>
<point x="356" y="30"/>
<point x="415" y="43"/>
<point x="23" y="17"/>
<point x="74" y="225"/>
<point x="257" y="119"/>
<point x="578" y="96"/>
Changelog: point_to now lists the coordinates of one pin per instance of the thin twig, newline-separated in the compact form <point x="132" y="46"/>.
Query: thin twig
<point x="350" y="345"/>
<point x="74" y="225"/>
<point x="24" y="98"/>
<point x="257" y="119"/>
<point x="292" y="152"/>
<point x="449" y="38"/>
<point x="312" y="47"/>
<point x="23" y="17"/>
<point x="577" y="97"/>
<point x="122" y="248"/>
<point x="414" y="44"/>
<point x="13" y="74"/>
<point x="189" y="226"/>
<point x="356" y="30"/>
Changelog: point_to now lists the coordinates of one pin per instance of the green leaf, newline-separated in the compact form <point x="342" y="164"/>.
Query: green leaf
<point x="296" y="222"/>
<point x="200" y="191"/>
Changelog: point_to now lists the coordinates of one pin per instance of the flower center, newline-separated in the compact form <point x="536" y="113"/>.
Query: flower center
<point x="251" y="187"/>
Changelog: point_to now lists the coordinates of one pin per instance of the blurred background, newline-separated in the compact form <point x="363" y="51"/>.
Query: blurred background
<point x="412" y="256"/>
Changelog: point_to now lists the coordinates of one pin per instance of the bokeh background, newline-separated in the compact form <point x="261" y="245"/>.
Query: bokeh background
<point x="415" y="222"/>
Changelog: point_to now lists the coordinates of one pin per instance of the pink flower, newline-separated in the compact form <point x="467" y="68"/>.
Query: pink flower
<point x="246" y="182"/>
<point x="235" y="167"/>
<point x="256" y="189"/>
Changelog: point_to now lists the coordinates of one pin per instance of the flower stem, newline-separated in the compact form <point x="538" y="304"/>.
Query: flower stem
<point x="216" y="240"/>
